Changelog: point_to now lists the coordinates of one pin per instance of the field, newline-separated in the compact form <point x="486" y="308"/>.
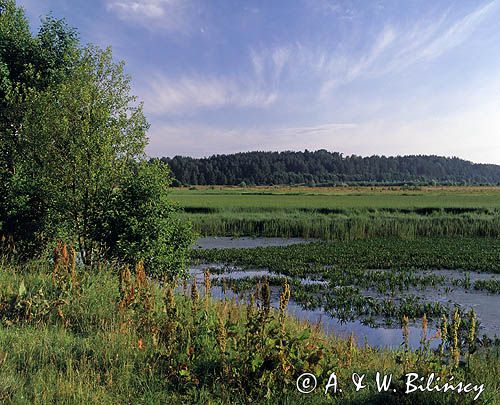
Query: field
<point x="343" y="213"/>
<point x="280" y="197"/>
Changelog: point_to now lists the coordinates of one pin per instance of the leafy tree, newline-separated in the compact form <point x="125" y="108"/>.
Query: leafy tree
<point x="73" y="163"/>
<point x="28" y="65"/>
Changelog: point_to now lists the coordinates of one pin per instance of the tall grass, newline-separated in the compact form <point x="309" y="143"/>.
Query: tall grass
<point x="336" y="215"/>
<point x="348" y="226"/>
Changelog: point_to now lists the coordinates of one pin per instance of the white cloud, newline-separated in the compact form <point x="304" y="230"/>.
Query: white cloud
<point x="429" y="40"/>
<point x="170" y="15"/>
<point x="269" y="63"/>
<point x="458" y="32"/>
<point x="181" y="95"/>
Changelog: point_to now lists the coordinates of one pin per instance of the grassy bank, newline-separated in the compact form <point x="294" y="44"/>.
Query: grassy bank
<point x="114" y="336"/>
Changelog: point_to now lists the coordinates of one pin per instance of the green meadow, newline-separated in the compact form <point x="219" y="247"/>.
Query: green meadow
<point x="289" y="198"/>
<point x="343" y="214"/>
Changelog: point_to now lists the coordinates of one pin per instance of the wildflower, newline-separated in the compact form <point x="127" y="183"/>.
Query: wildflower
<point x="454" y="334"/>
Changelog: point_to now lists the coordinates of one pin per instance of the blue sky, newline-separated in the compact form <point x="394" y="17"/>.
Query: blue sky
<point x="359" y="77"/>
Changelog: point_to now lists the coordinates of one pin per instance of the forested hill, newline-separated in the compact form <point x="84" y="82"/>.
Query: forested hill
<point x="327" y="168"/>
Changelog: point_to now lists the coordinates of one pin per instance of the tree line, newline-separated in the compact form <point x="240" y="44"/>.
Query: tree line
<point x="327" y="168"/>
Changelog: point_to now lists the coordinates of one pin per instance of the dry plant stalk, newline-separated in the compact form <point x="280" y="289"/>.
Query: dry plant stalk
<point x="195" y="295"/>
<point x="208" y="286"/>
<point x="265" y="296"/>
<point x="444" y="334"/>
<point x="284" y="300"/>
<point x="351" y="346"/>
<point x="406" y="332"/>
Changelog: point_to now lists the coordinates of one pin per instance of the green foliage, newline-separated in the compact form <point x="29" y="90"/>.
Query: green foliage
<point x="72" y="161"/>
<point x="142" y="223"/>
<point x="79" y="140"/>
<point x="378" y="253"/>
<point x="28" y="65"/>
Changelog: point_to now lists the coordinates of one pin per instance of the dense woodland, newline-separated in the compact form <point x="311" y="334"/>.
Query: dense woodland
<point x="327" y="168"/>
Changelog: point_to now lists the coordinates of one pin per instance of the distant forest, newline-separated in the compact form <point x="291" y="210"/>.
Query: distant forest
<point x="323" y="168"/>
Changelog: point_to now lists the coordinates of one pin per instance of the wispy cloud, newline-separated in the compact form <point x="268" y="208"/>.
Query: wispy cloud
<point x="268" y="64"/>
<point x="164" y="95"/>
<point x="186" y="137"/>
<point x="170" y="15"/>
<point x="396" y="47"/>
<point x="427" y="41"/>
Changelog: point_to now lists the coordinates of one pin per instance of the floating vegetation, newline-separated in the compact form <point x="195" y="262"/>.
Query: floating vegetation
<point x="492" y="286"/>
<point x="345" y="259"/>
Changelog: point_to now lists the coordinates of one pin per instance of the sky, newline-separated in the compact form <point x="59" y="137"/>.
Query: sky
<point x="364" y="77"/>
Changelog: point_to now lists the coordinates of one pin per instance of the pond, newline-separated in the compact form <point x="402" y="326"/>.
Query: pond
<point x="450" y="292"/>
<point x="227" y="242"/>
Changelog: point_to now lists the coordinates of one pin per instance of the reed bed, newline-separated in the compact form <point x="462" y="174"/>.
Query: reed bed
<point x="336" y="215"/>
<point x="341" y="227"/>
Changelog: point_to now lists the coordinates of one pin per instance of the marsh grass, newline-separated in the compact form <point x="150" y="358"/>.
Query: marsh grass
<point x="345" y="226"/>
<point x="334" y="214"/>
